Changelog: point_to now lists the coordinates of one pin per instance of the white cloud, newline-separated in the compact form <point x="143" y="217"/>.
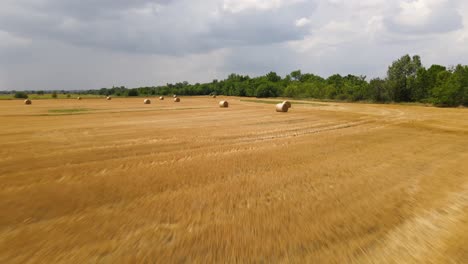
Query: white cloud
<point x="416" y="13"/>
<point x="240" y="5"/>
<point x="327" y="37"/>
<point x="89" y="44"/>
<point x="356" y="37"/>
<point x="426" y="16"/>
<point x="8" y="40"/>
<point x="236" y="6"/>
<point x="148" y="9"/>
<point x="302" y="22"/>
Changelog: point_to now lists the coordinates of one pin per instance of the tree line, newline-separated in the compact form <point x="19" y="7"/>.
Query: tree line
<point x="407" y="80"/>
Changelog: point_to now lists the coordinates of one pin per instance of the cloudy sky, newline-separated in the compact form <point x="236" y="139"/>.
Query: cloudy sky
<point x="85" y="44"/>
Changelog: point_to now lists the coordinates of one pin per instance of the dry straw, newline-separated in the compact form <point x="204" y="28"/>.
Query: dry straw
<point x="282" y="108"/>
<point x="223" y="104"/>
<point x="147" y="101"/>
<point x="287" y="103"/>
<point x="177" y="99"/>
<point x="27" y="102"/>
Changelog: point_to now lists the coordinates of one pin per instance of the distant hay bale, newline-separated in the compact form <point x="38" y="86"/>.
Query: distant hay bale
<point x="287" y="103"/>
<point x="108" y="98"/>
<point x="147" y="101"/>
<point x="161" y="97"/>
<point x="79" y="98"/>
<point x="282" y="108"/>
<point x="27" y="102"/>
<point x="223" y="104"/>
<point x="175" y="96"/>
<point x="177" y="99"/>
<point x="214" y="96"/>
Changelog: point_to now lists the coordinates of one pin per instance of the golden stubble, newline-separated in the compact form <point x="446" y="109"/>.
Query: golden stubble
<point x="118" y="181"/>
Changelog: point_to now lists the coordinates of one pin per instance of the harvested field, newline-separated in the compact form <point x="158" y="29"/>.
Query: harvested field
<point x="94" y="181"/>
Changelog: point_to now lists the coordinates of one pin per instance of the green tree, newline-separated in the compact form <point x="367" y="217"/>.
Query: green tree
<point x="420" y="85"/>
<point x="296" y="75"/>
<point x="309" y="77"/>
<point x="273" y="77"/>
<point x="133" y="92"/>
<point x="21" y="95"/>
<point x="399" y="73"/>
<point x="335" y="87"/>
<point x="266" y="90"/>
<point x="296" y="90"/>
<point x="452" y="87"/>
<point x="377" y="91"/>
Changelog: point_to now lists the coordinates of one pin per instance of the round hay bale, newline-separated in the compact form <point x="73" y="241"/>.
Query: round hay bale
<point x="175" y="96"/>
<point x="177" y="99"/>
<point x="287" y="103"/>
<point x="214" y="96"/>
<point x="108" y="98"/>
<point x="78" y="98"/>
<point x="147" y="101"/>
<point x="27" y="102"/>
<point x="282" y="108"/>
<point x="223" y="104"/>
<point x="161" y="97"/>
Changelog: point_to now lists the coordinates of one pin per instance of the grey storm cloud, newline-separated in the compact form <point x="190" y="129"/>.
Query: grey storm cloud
<point x="162" y="27"/>
<point x="71" y="44"/>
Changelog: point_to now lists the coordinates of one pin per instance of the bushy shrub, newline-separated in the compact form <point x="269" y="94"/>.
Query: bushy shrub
<point x="266" y="90"/>
<point x="22" y="95"/>
<point x="133" y="92"/>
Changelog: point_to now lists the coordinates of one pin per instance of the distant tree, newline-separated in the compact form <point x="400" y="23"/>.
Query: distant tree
<point x="452" y="87"/>
<point x="336" y="80"/>
<point x="433" y="71"/>
<point x="377" y="91"/>
<point x="266" y="90"/>
<point x="419" y="85"/>
<point x="309" y="77"/>
<point x="296" y="75"/>
<point x="406" y="80"/>
<point x="40" y="92"/>
<point x="21" y="95"/>
<point x="287" y="80"/>
<point x="273" y="77"/>
<point x="355" y="87"/>
<point x="296" y="90"/>
<point x="104" y="91"/>
<point x="399" y="73"/>
<point x="335" y="89"/>
<point x="54" y="94"/>
<point x="133" y="92"/>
